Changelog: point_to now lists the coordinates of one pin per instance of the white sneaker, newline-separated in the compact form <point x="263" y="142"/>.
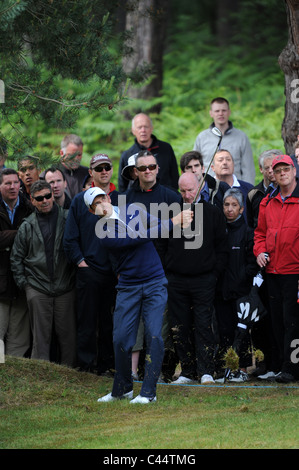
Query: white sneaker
<point x="221" y="380"/>
<point x="109" y="397"/>
<point x="268" y="376"/>
<point x="182" y="380"/>
<point x="143" y="400"/>
<point x="238" y="377"/>
<point x="207" y="379"/>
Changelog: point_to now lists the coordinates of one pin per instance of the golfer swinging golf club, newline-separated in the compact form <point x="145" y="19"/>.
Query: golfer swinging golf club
<point x="142" y="287"/>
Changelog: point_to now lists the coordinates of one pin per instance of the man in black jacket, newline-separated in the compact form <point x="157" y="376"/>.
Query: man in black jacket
<point x="142" y="128"/>
<point x="193" y="263"/>
<point x="14" y="319"/>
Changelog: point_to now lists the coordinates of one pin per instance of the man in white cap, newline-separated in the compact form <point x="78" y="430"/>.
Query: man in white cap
<point x="147" y="190"/>
<point x="128" y="172"/>
<point x="142" y="287"/>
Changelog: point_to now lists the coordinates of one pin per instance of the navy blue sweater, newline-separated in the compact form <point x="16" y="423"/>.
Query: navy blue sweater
<point x="80" y="242"/>
<point x="129" y="241"/>
<point x="157" y="194"/>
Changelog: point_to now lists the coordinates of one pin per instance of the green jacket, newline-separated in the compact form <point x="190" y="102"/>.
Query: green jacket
<point x="28" y="258"/>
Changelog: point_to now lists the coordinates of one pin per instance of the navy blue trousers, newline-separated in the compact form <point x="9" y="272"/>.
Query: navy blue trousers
<point x="150" y="299"/>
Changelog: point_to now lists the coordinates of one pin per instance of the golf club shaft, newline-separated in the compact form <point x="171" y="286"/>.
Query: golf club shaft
<point x="204" y="178"/>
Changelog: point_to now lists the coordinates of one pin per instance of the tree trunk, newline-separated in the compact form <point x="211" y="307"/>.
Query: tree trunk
<point x="147" y="20"/>
<point x="227" y="21"/>
<point x="289" y="64"/>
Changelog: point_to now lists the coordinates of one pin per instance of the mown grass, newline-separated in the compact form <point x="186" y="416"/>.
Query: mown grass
<point x="47" y="406"/>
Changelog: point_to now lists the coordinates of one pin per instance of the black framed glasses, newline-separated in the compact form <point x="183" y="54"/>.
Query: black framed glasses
<point x="143" y="168"/>
<point x="99" y="168"/>
<point x="41" y="198"/>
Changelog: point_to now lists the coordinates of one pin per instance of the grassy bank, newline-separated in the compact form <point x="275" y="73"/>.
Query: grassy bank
<point x="47" y="406"/>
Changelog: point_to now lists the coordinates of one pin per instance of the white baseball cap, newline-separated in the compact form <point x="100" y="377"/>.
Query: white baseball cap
<point x="126" y="170"/>
<point x="91" y="194"/>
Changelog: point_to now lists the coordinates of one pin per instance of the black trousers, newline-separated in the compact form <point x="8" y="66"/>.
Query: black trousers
<point x="95" y="301"/>
<point x="262" y="332"/>
<point x="190" y="306"/>
<point x="283" y="291"/>
<point x="227" y="319"/>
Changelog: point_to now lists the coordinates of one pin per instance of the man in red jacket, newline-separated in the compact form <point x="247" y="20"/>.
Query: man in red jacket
<point x="277" y="234"/>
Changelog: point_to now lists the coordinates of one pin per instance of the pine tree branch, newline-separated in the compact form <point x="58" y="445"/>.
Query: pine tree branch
<point x="28" y="91"/>
<point x="2" y="12"/>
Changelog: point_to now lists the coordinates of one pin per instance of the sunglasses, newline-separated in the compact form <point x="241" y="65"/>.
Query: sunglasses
<point x="285" y="169"/>
<point x="143" y="168"/>
<point x="41" y="198"/>
<point x="99" y="169"/>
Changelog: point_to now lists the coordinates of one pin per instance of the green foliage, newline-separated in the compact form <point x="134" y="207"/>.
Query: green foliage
<point x="42" y="45"/>
<point x="256" y="93"/>
<point x="196" y="69"/>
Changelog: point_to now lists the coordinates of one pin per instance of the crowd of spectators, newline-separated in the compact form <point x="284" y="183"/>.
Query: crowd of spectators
<point x="138" y="306"/>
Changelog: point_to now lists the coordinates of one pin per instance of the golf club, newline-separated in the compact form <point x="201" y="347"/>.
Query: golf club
<point x="218" y="133"/>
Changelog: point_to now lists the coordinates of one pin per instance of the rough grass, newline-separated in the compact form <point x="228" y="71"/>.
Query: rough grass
<point x="47" y="406"/>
